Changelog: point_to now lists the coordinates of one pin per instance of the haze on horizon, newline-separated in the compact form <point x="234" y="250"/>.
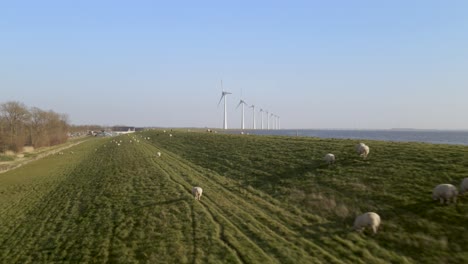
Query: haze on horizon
<point x="317" y="64"/>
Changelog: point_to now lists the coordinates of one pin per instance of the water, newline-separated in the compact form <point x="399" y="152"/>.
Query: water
<point x="434" y="137"/>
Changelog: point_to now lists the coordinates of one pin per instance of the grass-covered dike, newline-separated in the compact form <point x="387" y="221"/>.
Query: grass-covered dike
<point x="266" y="199"/>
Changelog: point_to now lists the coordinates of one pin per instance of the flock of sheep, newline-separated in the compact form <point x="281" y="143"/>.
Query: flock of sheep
<point x="369" y="219"/>
<point x="443" y="192"/>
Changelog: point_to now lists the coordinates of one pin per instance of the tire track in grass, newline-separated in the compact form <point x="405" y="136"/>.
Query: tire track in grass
<point x="269" y="233"/>
<point x="254" y="220"/>
<point x="194" y="231"/>
<point x="219" y="227"/>
<point x="222" y="236"/>
<point x="219" y="231"/>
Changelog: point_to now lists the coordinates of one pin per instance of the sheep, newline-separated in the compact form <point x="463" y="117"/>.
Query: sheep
<point x="464" y="186"/>
<point x="197" y="192"/>
<point x="159" y="154"/>
<point x="369" y="219"/>
<point x="362" y="149"/>
<point x="445" y="192"/>
<point x="329" y="158"/>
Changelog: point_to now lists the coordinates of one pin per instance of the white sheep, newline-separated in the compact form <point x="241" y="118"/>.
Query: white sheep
<point x="369" y="219"/>
<point x="329" y="158"/>
<point x="159" y="154"/>
<point x="197" y="192"/>
<point x="362" y="149"/>
<point x="464" y="186"/>
<point x="445" y="192"/>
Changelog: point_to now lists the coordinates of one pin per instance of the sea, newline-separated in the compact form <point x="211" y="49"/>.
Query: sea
<point x="427" y="136"/>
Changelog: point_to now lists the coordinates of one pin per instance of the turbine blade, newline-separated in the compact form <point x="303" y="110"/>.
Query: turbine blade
<point x="220" y="99"/>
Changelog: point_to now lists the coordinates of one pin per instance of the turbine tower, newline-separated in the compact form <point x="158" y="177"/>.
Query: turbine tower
<point x="242" y="102"/>
<point x="253" y="112"/>
<point x="279" y="124"/>
<point x="268" y="120"/>
<point x="224" y="95"/>
<point x="261" y="118"/>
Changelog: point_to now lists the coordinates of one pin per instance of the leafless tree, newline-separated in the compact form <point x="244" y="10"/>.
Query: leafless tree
<point x="20" y="126"/>
<point x="15" y="115"/>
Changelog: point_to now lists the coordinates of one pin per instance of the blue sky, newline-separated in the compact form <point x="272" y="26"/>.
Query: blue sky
<point x="317" y="64"/>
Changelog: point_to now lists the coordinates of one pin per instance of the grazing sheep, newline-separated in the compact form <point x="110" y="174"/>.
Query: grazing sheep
<point x="329" y="158"/>
<point x="159" y="154"/>
<point x="197" y="192"/>
<point x="464" y="186"/>
<point x="445" y="192"/>
<point x="369" y="219"/>
<point x="363" y="150"/>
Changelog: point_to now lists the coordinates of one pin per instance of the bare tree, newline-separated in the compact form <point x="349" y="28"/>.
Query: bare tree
<point x="15" y="115"/>
<point x="20" y="126"/>
<point x="39" y="137"/>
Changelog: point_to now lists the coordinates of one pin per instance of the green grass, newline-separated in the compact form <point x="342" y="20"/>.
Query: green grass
<point x="265" y="200"/>
<point x="6" y="158"/>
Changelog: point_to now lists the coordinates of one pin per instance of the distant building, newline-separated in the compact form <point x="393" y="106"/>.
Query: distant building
<point x="123" y="130"/>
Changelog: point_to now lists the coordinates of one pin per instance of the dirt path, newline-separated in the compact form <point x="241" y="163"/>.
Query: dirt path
<point x="11" y="165"/>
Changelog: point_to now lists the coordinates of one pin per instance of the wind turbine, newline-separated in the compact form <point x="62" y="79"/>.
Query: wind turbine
<point x="279" y="124"/>
<point x="224" y="95"/>
<point x="268" y="120"/>
<point x="253" y="113"/>
<point x="242" y="102"/>
<point x="273" y="121"/>
<point x="261" y="117"/>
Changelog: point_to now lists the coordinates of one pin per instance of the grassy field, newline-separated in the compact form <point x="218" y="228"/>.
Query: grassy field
<point x="265" y="200"/>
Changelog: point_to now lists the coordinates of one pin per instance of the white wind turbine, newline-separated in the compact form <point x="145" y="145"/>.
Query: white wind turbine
<point x="253" y="111"/>
<point x="242" y="102"/>
<point x="279" y="124"/>
<point x="224" y="95"/>
<point x="261" y="117"/>
<point x="272" y="121"/>
<point x="268" y="120"/>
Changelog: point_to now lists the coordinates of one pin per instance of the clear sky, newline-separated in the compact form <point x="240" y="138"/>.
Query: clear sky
<point x="317" y="64"/>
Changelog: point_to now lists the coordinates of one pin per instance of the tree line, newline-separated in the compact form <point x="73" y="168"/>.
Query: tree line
<point x="22" y="126"/>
